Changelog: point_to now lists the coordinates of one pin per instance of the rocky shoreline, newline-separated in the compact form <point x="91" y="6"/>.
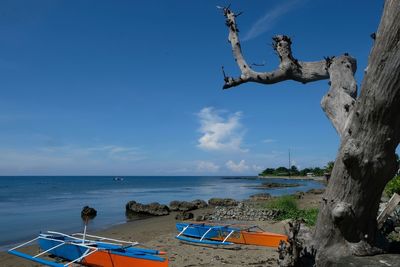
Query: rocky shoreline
<point x="216" y="209"/>
<point x="269" y="185"/>
<point x="243" y="212"/>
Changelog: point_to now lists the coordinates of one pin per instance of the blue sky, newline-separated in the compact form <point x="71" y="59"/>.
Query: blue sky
<point x="135" y="87"/>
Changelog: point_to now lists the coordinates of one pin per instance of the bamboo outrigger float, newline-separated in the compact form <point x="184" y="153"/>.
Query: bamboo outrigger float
<point x="94" y="251"/>
<point x="217" y="234"/>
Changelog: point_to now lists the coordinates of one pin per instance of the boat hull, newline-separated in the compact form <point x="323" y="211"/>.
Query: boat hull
<point x="107" y="255"/>
<point x="240" y="236"/>
<point x="107" y="259"/>
<point x="265" y="239"/>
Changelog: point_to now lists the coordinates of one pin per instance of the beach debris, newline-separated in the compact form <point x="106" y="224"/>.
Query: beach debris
<point x="294" y="252"/>
<point x="389" y="208"/>
<point x="154" y="208"/>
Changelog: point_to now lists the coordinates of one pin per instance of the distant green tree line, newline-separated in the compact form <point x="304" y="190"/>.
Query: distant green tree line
<point x="394" y="185"/>
<point x="283" y="171"/>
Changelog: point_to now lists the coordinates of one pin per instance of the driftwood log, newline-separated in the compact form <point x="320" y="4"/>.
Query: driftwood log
<point x="368" y="125"/>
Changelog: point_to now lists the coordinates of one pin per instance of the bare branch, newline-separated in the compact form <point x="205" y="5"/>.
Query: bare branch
<point x="289" y="67"/>
<point x="337" y="103"/>
<point x="223" y="73"/>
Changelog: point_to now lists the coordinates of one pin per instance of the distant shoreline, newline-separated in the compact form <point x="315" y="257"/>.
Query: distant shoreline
<point x="315" y="178"/>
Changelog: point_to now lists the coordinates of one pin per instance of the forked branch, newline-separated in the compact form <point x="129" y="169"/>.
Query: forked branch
<point x="339" y="101"/>
<point x="289" y="67"/>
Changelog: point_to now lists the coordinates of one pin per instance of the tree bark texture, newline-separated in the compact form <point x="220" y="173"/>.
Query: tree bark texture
<point x="366" y="160"/>
<point x="369" y="127"/>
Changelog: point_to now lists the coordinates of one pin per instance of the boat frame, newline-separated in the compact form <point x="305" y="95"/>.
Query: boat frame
<point x="204" y="239"/>
<point x="222" y="234"/>
<point x="73" y="240"/>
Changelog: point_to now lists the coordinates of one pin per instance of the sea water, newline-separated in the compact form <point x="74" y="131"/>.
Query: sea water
<point x="29" y="205"/>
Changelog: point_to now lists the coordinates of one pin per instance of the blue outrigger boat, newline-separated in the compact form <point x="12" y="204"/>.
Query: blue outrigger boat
<point x="96" y="251"/>
<point x="204" y="233"/>
<point x="217" y="234"/>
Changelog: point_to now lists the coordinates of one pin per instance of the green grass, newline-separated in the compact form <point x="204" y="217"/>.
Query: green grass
<point x="393" y="186"/>
<point x="287" y="206"/>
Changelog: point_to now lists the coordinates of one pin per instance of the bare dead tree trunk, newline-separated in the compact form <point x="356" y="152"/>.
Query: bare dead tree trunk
<point x="366" y="159"/>
<point x="369" y="127"/>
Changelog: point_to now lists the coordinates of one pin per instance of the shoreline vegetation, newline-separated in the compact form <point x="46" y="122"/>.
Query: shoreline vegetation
<point x="158" y="232"/>
<point x="292" y="177"/>
<point x="294" y="171"/>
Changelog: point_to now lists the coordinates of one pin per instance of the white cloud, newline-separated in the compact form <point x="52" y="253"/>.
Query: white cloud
<point x="239" y="167"/>
<point x="218" y="133"/>
<point x="207" y="166"/>
<point x="266" y="22"/>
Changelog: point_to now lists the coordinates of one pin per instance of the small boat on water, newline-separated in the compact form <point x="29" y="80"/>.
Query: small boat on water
<point x="118" y="178"/>
<point x="216" y="234"/>
<point x="89" y="250"/>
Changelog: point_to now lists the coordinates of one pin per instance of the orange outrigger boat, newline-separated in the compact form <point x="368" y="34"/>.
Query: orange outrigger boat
<point x="213" y="234"/>
<point x="95" y="251"/>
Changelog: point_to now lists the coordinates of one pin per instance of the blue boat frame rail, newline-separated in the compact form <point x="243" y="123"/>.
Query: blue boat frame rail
<point x="87" y="245"/>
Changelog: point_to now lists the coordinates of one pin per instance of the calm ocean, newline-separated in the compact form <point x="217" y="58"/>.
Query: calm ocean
<point x="29" y="205"/>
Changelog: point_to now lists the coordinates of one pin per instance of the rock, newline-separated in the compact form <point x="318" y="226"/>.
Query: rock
<point x="154" y="208"/>
<point x="268" y="185"/>
<point x="182" y="205"/>
<point x="88" y="213"/>
<point x="316" y="191"/>
<point x="299" y="195"/>
<point x="384" y="198"/>
<point x="388" y="226"/>
<point x="200" y="203"/>
<point x="181" y="216"/>
<point x="224" y="202"/>
<point x="260" y="196"/>
<point x="199" y="218"/>
<point x="204" y="217"/>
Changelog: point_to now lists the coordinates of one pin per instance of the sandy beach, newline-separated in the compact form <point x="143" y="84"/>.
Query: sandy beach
<point x="159" y="233"/>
